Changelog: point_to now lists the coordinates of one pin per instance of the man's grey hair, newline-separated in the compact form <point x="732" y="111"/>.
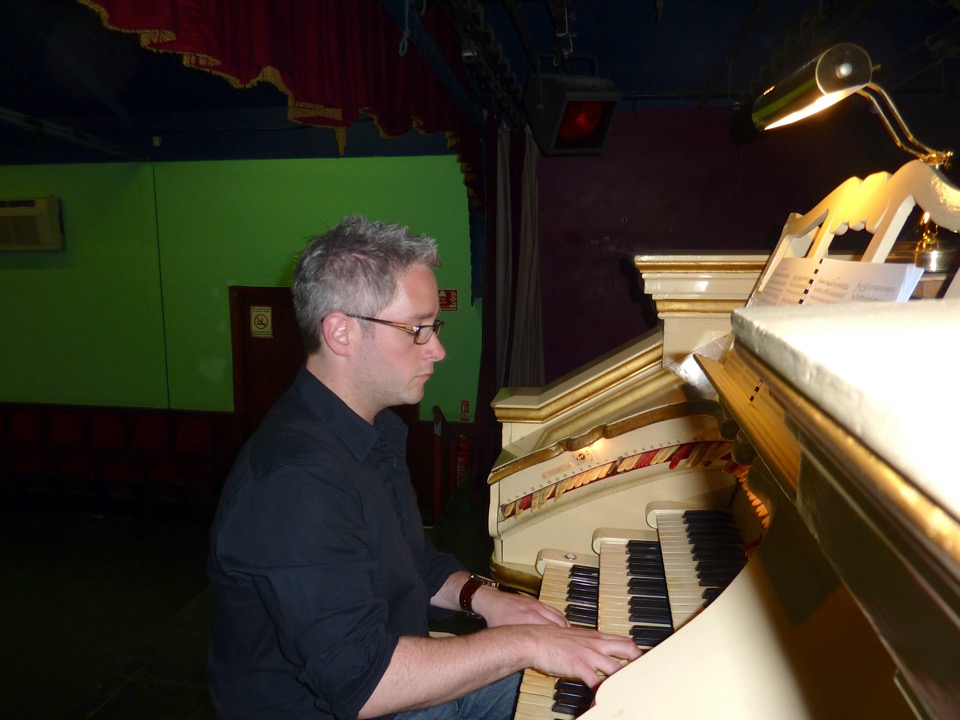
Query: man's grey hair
<point x="354" y="268"/>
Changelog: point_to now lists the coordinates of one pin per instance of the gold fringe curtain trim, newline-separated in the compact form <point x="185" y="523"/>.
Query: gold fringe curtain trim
<point x="297" y="110"/>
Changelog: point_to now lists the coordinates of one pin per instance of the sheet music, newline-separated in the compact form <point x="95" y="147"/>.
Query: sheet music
<point x="805" y="281"/>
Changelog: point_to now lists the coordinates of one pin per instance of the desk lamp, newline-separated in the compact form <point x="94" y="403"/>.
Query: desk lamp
<point x="835" y="74"/>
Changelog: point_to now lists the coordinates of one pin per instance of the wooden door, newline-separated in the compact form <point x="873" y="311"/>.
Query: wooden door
<point x="268" y="352"/>
<point x="267" y="349"/>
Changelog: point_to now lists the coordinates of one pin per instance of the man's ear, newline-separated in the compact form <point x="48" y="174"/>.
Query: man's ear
<point x="337" y="333"/>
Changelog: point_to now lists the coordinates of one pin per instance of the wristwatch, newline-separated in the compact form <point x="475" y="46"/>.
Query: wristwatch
<point x="469" y="589"/>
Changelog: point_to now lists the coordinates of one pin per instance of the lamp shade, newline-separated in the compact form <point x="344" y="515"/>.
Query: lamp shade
<point x="570" y="114"/>
<point x="827" y="79"/>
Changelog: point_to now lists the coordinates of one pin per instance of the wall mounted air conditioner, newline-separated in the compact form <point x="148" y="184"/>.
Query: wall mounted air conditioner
<point x="30" y="224"/>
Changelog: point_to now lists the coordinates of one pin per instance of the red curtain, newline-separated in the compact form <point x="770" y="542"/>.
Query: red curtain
<point x="334" y="59"/>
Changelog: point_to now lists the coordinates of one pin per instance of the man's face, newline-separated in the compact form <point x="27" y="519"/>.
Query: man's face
<point x="395" y="369"/>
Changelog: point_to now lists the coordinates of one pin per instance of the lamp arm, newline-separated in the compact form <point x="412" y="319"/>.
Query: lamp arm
<point x="925" y="153"/>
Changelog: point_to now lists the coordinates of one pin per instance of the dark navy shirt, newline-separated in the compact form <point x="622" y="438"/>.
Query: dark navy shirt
<point x="318" y="563"/>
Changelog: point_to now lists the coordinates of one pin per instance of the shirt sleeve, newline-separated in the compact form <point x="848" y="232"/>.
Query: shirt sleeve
<point x="437" y="566"/>
<point x="298" y="535"/>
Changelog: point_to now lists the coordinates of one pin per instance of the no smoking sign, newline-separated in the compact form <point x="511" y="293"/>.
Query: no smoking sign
<point x="261" y="321"/>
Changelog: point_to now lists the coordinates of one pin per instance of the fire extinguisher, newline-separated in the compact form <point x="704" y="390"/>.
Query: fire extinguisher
<point x="464" y="449"/>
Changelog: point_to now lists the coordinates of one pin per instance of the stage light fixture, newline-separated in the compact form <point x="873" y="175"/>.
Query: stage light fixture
<point x="570" y="114"/>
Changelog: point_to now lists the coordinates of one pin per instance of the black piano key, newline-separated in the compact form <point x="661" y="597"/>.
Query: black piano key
<point x="696" y="528"/>
<point x="567" y="685"/>
<point x="644" y="558"/>
<point x="707" y="550"/>
<point x="722" y="561"/>
<point x="655" y="593"/>
<point x="716" y="538"/>
<point x="729" y="538"/>
<point x="642" y="546"/>
<point x="653" y="616"/>
<point x="644" y="562"/>
<point x="712" y="530"/>
<point x="646" y="585"/>
<point x="714" y="515"/>
<point x="577" y="587"/>
<point x="710" y="594"/>
<point x="640" y="601"/>
<point x="719" y="526"/>
<point x="645" y="566"/>
<point x="572" y="697"/>
<point x="584" y="616"/>
<point x="567" y="709"/>
<point x="573" y="694"/>
<point x="584" y="571"/>
<point x="715" y="565"/>
<point x="712" y="567"/>
<point x="715" y="545"/>
<point x="720" y="564"/>
<point x="659" y="593"/>
<point x="584" y="602"/>
<point x="649" y="635"/>
<point x="697" y="521"/>
<point x="645" y="575"/>
<point x="717" y="577"/>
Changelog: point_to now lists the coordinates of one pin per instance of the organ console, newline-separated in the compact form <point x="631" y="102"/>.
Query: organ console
<point x="566" y="446"/>
<point x="774" y="517"/>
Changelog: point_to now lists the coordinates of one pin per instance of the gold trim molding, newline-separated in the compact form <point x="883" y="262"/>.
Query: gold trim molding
<point x="698" y="306"/>
<point x="612" y="430"/>
<point x="646" y="361"/>
<point x="693" y="265"/>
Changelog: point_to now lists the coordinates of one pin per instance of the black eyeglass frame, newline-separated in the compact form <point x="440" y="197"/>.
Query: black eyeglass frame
<point x="414" y="330"/>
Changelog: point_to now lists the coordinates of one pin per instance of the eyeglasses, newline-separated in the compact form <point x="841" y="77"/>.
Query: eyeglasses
<point x="421" y="333"/>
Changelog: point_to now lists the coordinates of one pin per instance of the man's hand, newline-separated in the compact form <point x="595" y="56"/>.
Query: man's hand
<point x="425" y="672"/>
<point x="507" y="608"/>
<point x="577" y="652"/>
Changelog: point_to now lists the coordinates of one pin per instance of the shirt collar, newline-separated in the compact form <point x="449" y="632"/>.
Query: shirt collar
<point x="355" y="432"/>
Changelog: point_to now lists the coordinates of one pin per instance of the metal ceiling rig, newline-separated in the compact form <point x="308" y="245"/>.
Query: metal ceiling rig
<point x="490" y="73"/>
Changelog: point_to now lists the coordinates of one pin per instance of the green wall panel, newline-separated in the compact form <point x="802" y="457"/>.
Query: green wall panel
<point x="136" y="311"/>
<point x="84" y="325"/>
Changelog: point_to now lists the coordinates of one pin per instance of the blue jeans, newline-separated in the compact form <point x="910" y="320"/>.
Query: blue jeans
<point x="494" y="702"/>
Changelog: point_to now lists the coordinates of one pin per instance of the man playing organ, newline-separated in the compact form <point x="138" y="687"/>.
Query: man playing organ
<point x="321" y="574"/>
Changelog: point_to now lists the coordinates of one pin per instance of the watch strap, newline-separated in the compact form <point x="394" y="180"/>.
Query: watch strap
<point x="469" y="589"/>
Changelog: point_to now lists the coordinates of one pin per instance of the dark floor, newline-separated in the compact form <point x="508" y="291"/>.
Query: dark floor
<point x="104" y="615"/>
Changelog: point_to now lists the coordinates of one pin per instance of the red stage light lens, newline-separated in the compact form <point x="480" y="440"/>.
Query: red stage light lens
<point x="580" y="118"/>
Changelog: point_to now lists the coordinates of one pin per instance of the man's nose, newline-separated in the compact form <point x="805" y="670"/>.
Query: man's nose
<point x="436" y="351"/>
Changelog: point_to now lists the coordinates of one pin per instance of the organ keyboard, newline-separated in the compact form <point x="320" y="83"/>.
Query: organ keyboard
<point x="845" y="599"/>
<point x="642" y="583"/>
<point x="648" y="588"/>
<point x="571" y="585"/>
